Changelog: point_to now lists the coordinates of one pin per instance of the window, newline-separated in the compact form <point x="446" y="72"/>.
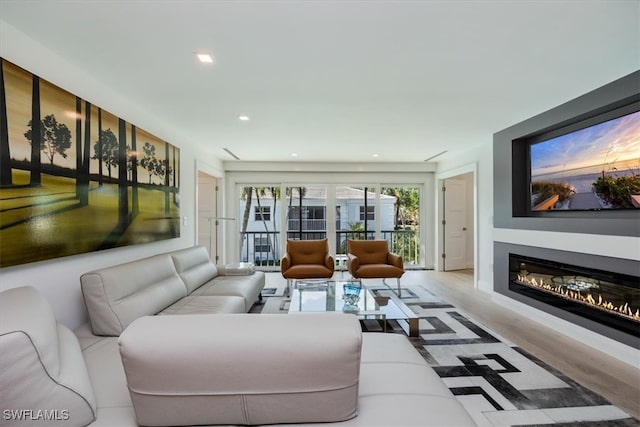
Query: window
<point x="306" y="212"/>
<point x="355" y="211"/>
<point x="262" y="213"/>
<point x="262" y="245"/>
<point x="370" y="213"/>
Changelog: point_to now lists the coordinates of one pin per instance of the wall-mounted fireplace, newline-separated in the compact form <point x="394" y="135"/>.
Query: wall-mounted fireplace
<point x="609" y="298"/>
<point x="601" y="294"/>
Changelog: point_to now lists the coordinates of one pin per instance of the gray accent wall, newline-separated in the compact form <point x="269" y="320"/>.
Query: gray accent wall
<point x="617" y="94"/>
<point x="602" y="227"/>
<point x="501" y="253"/>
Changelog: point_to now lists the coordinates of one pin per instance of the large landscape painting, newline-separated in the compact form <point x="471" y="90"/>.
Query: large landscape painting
<point x="75" y="178"/>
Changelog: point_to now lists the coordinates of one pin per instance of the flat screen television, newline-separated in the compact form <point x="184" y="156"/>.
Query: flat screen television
<point x="589" y="168"/>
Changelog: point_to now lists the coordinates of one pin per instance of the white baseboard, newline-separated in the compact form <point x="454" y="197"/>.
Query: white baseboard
<point x="618" y="350"/>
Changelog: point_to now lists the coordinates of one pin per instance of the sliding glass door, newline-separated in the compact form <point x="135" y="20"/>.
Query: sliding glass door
<point x="306" y="212"/>
<point x="271" y="214"/>
<point x="260" y="225"/>
<point x="404" y="234"/>
<point x="355" y="215"/>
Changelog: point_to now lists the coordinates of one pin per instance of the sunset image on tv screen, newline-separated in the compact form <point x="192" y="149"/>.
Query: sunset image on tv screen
<point x="594" y="168"/>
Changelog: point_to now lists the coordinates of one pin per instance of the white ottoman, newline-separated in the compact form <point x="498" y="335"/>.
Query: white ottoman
<point x="247" y="369"/>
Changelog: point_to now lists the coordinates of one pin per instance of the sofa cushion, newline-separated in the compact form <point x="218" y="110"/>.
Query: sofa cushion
<point x="194" y="266"/>
<point x="206" y="305"/>
<point x="247" y="287"/>
<point x="43" y="375"/>
<point x="116" y="296"/>
<point x="271" y="368"/>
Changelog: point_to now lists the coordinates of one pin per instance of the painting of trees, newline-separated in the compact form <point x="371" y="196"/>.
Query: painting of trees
<point x="5" y="152"/>
<point x="36" y="134"/>
<point x="55" y="138"/>
<point x="63" y="161"/>
<point x="106" y="151"/>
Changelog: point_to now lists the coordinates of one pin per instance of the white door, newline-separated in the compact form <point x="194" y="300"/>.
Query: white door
<point x="206" y="211"/>
<point x="455" y="228"/>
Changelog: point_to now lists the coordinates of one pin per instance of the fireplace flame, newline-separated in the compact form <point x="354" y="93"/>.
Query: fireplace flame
<point x="598" y="302"/>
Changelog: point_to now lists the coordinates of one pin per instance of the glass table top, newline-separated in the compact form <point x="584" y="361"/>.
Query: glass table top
<point x="327" y="295"/>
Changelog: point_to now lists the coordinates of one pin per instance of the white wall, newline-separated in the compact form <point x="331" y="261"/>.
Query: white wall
<point x="478" y="158"/>
<point x="58" y="279"/>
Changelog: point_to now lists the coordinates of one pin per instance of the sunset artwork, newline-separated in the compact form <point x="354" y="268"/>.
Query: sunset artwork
<point x="75" y="178"/>
<point x="594" y="168"/>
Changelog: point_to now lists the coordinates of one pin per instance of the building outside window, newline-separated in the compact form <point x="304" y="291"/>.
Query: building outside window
<point x="262" y="245"/>
<point x="262" y="213"/>
<point x="304" y="212"/>
<point x="371" y="210"/>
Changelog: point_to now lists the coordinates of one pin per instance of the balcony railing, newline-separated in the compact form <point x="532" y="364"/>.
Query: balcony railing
<point x="307" y="224"/>
<point x="263" y="248"/>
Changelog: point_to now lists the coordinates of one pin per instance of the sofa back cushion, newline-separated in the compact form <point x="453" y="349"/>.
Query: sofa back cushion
<point x="194" y="266"/>
<point x="369" y="251"/>
<point x="43" y="376"/>
<point x="116" y="296"/>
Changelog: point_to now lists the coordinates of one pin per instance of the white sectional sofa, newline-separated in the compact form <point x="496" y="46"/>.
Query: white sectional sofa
<point x="179" y="282"/>
<point x="208" y="369"/>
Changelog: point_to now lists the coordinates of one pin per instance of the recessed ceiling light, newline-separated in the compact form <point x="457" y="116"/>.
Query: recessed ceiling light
<point x="294" y="155"/>
<point x="376" y="155"/>
<point x="243" y="118"/>
<point x="205" y="58"/>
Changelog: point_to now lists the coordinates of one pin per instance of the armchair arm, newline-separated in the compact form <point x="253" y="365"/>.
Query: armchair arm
<point x="328" y="262"/>
<point x="395" y="260"/>
<point x="285" y="263"/>
<point x="353" y="263"/>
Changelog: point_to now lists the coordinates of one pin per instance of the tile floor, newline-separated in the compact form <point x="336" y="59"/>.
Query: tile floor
<point x="497" y="375"/>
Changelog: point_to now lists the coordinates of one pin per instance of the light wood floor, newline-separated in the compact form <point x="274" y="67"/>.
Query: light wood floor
<point x="617" y="381"/>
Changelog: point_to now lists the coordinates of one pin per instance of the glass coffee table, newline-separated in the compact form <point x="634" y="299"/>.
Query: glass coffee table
<point x="327" y="295"/>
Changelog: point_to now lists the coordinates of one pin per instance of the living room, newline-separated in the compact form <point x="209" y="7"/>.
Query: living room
<point x="561" y="66"/>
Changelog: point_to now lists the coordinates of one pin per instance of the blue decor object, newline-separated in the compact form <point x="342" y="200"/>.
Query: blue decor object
<point x="351" y="294"/>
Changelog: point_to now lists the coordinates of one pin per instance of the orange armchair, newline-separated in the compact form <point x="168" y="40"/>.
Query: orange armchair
<point x="371" y="259"/>
<point x="306" y="259"/>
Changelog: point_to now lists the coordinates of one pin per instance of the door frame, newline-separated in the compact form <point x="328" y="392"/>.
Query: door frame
<point x="439" y="216"/>
<point x="208" y="169"/>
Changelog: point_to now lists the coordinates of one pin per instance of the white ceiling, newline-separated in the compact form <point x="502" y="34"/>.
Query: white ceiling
<point x="340" y="80"/>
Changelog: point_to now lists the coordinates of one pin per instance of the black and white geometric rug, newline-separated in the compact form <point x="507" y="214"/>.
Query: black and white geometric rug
<point x="498" y="383"/>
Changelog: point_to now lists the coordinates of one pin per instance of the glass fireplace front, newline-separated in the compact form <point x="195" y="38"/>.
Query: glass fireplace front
<point x="611" y="299"/>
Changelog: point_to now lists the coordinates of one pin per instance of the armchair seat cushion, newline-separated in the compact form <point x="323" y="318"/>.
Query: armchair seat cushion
<point x="377" y="271"/>
<point x="307" y="271"/>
